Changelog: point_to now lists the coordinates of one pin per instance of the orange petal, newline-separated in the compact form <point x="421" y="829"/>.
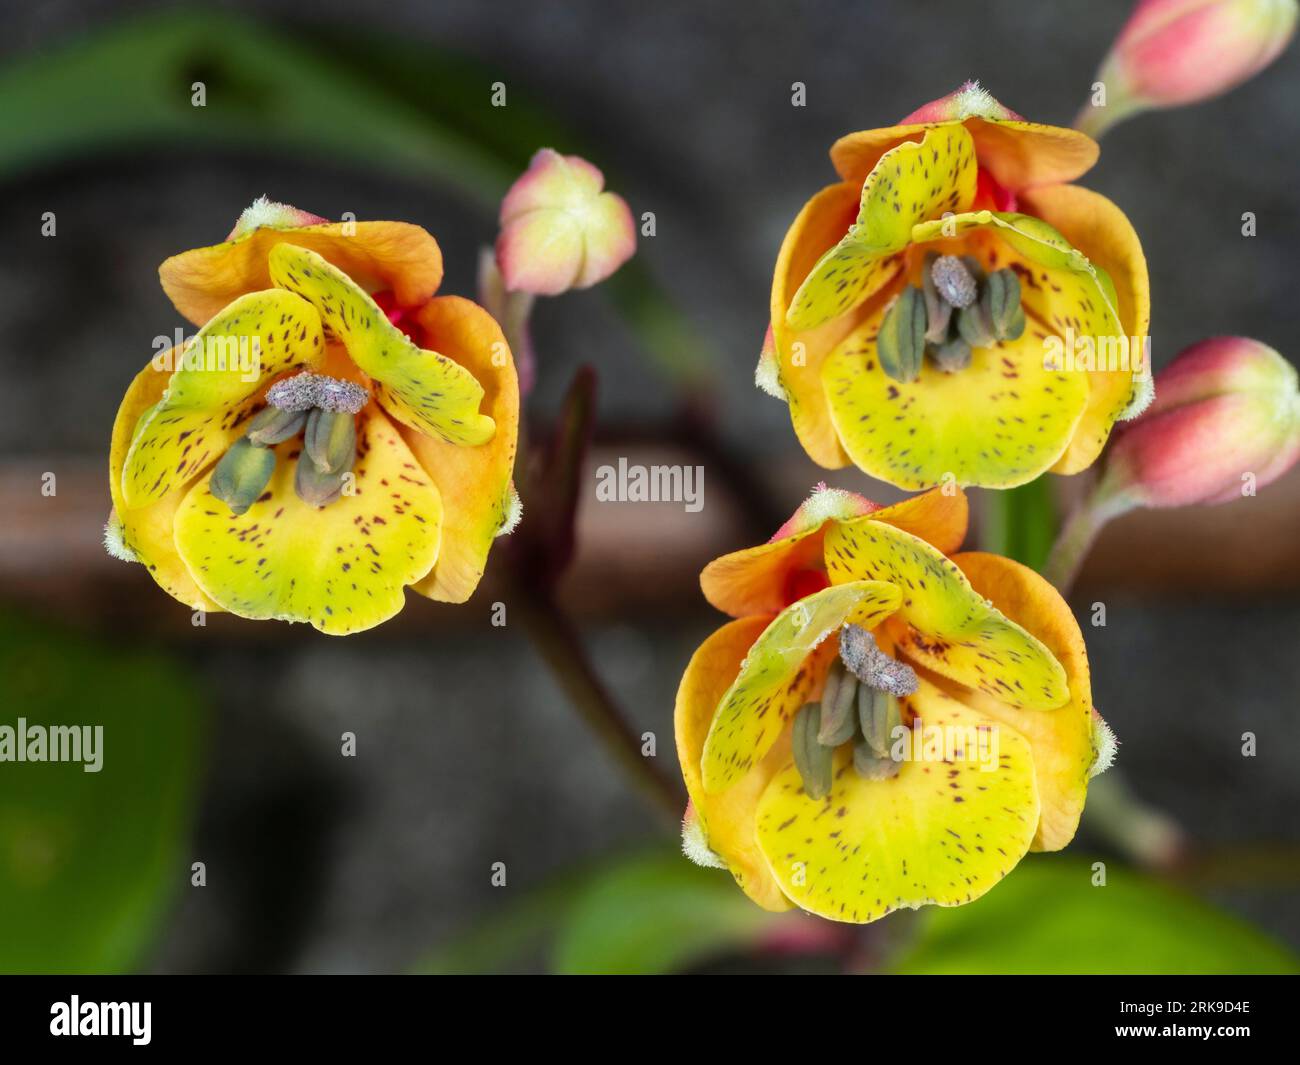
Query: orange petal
<point x="147" y="531"/>
<point x="1100" y="230"/>
<point x="394" y="256"/>
<point x="1062" y="739"/>
<point x="939" y="517"/>
<point x="799" y="353"/>
<point x="727" y="819"/>
<point x="1018" y="154"/>
<point x="474" y="481"/>
<point x="768" y="578"/>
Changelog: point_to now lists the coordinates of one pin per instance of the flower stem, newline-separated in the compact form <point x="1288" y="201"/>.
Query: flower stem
<point x="559" y="643"/>
<point x="1080" y="531"/>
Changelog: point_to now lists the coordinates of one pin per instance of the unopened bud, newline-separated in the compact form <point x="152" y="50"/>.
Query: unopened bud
<point x="1176" y="52"/>
<point x="559" y="229"/>
<point x="1225" y="408"/>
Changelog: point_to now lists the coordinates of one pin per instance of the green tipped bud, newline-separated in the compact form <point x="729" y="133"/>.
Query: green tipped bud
<point x="838" y="719"/>
<point x="273" y="426"/>
<point x="951" y="355"/>
<point x="901" y="342"/>
<point x="1001" y="301"/>
<point x="331" y="440"/>
<point x="242" y="475"/>
<point x="315" y="486"/>
<point x="975" y="327"/>
<point x="813" y="761"/>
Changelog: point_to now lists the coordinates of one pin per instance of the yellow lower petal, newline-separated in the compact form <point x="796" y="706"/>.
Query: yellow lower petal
<point x="218" y="379"/>
<point x="422" y="389"/>
<point x="343" y="567"/>
<point x="777" y="676"/>
<point x="998" y="423"/>
<point x="474" y="482"/>
<point x="943" y="831"/>
<point x="727" y="819"/>
<point x="951" y="628"/>
<point x="147" y="530"/>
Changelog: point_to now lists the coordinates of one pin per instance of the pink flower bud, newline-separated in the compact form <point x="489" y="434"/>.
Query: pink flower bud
<point x="1225" y="421"/>
<point x="559" y="230"/>
<point x="1175" y="52"/>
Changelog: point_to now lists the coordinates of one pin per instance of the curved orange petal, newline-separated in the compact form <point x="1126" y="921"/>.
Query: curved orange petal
<point x="1062" y="739"/>
<point x="799" y="353"/>
<point x="147" y="531"/>
<point x="1099" y="229"/>
<point x="727" y="819"/>
<point x="474" y="481"/>
<point x="939" y="517"/>
<point x="1018" y="154"/>
<point x="767" y="578"/>
<point x="396" y="256"/>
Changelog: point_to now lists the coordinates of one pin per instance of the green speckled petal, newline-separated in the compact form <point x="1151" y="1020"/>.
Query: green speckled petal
<point x="217" y="383"/>
<point x="911" y="183"/>
<point x="949" y="826"/>
<point x="422" y="389"/>
<point x="775" y="679"/>
<point x="951" y="628"/>
<point x="342" y="567"/>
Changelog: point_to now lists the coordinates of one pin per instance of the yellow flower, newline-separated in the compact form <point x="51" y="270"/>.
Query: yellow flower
<point x="1015" y="358"/>
<point x="882" y="726"/>
<point x="332" y="434"/>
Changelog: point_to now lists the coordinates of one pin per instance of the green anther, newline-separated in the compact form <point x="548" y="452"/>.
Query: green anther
<point x="951" y="355"/>
<point x="331" y="440"/>
<point x="880" y="717"/>
<point x="1001" y="301"/>
<point x="272" y="426"/>
<point x="813" y="761"/>
<point x="315" y="487"/>
<point x="242" y="475"/>
<point x="938" y="311"/>
<point x="974" y="325"/>
<point x="838" y="720"/>
<point x="870" y="765"/>
<point x="901" y="341"/>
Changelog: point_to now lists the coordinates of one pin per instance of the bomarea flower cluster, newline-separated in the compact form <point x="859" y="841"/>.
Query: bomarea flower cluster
<point x="888" y="723"/>
<point x="370" y="449"/>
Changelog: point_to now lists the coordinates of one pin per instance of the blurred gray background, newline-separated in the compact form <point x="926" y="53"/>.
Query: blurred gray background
<point x="467" y="752"/>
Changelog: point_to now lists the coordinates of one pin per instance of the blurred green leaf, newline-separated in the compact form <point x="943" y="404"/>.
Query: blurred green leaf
<point x="1046" y="917"/>
<point x="649" y="912"/>
<point x="1019" y="523"/>
<point x="656" y="913"/>
<point x="89" y="861"/>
